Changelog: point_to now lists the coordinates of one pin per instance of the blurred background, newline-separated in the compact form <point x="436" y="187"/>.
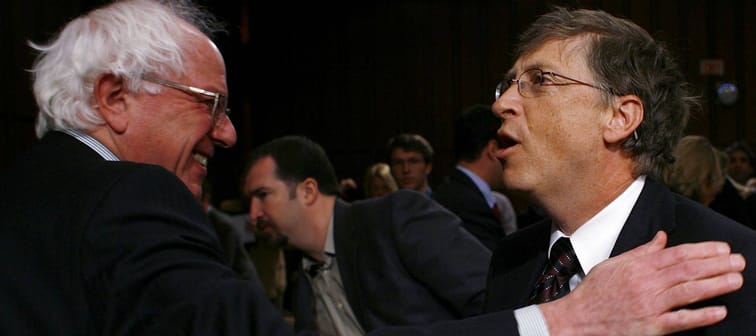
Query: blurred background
<point x="351" y="75"/>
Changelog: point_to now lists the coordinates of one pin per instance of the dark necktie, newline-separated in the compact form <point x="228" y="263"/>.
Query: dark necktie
<point x="314" y="269"/>
<point x="554" y="283"/>
<point x="496" y="211"/>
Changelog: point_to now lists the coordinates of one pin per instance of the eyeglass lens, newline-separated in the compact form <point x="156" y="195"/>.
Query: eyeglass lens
<point x="527" y="84"/>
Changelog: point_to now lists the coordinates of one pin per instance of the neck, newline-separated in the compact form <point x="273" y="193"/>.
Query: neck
<point x="578" y="200"/>
<point x="320" y="218"/>
<point x="424" y="187"/>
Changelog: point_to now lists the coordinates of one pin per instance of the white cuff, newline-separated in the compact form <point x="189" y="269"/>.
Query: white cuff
<point x="530" y="321"/>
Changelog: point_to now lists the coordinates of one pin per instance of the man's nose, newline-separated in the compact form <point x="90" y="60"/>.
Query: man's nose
<point x="223" y="133"/>
<point x="255" y="210"/>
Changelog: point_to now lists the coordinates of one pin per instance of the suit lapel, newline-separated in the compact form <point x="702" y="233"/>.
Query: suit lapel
<point x="346" y="242"/>
<point x="516" y="265"/>
<point x="468" y="183"/>
<point x="653" y="211"/>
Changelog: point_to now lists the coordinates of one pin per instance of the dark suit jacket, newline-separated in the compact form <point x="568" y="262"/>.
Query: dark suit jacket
<point x="729" y="203"/>
<point x="232" y="241"/>
<point x="518" y="261"/>
<point x="404" y="260"/>
<point x="461" y="196"/>
<point x="92" y="247"/>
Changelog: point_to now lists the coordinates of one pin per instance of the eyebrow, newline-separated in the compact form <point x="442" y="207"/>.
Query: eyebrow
<point x="256" y="191"/>
<point x="510" y="74"/>
<point x="537" y="65"/>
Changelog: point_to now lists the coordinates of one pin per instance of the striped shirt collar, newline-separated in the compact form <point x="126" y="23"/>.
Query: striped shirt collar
<point x="92" y="143"/>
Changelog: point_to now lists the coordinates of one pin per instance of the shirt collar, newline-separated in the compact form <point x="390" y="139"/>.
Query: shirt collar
<point x="92" y="143"/>
<point x="484" y="188"/>
<point x="329" y="250"/>
<point x="594" y="240"/>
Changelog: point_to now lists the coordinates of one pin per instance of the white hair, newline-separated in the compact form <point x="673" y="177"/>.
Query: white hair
<point x="128" y="39"/>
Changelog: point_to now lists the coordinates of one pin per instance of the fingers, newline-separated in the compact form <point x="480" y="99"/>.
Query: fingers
<point x="674" y="255"/>
<point x="701" y="289"/>
<point x="686" y="270"/>
<point x="685" y="319"/>
<point x="655" y="281"/>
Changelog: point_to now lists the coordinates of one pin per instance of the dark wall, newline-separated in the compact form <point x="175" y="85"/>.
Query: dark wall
<point x="352" y="75"/>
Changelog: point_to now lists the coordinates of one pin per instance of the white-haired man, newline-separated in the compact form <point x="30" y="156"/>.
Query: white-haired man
<point x="104" y="231"/>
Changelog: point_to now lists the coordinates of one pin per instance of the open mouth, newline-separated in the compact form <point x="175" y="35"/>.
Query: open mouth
<point x="505" y="141"/>
<point x="202" y="159"/>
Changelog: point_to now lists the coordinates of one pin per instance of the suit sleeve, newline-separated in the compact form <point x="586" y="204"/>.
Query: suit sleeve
<point x="153" y="266"/>
<point x="441" y="253"/>
<point x="500" y="323"/>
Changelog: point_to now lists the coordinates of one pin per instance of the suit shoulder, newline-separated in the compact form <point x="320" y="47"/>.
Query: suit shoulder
<point x="401" y="196"/>
<point x="695" y="222"/>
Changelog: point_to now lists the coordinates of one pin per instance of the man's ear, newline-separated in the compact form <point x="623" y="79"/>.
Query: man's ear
<point x="109" y="95"/>
<point x="491" y="149"/>
<point x="308" y="190"/>
<point x="428" y="168"/>
<point x="627" y="115"/>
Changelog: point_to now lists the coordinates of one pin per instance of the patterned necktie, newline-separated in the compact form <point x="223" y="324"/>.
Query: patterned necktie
<point x="554" y="283"/>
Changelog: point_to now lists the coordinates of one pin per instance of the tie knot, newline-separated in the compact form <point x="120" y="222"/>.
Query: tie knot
<point x="554" y="281"/>
<point x="563" y="257"/>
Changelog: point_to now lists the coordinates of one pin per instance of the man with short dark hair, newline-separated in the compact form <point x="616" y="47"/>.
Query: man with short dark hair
<point x="737" y="198"/>
<point x="740" y="163"/>
<point x="467" y="191"/>
<point x="400" y="259"/>
<point x="411" y="159"/>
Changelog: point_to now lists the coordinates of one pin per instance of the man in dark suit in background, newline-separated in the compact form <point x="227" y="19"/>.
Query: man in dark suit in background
<point x="591" y="112"/>
<point x="394" y="260"/>
<point x="467" y="191"/>
<point x="736" y="198"/>
<point x="103" y="232"/>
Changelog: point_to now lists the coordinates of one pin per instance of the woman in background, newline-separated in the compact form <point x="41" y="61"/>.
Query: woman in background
<point x="696" y="173"/>
<point x="378" y="180"/>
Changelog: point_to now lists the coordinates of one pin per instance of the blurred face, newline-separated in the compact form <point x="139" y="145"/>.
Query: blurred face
<point x="739" y="168"/>
<point x="272" y="208"/>
<point x="410" y="169"/>
<point x="378" y="187"/>
<point x="174" y="128"/>
<point x="555" y="136"/>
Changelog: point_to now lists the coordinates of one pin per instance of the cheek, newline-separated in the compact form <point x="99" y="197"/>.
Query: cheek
<point x="558" y="133"/>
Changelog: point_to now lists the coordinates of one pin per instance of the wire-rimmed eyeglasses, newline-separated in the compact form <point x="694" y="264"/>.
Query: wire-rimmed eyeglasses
<point x="218" y="103"/>
<point x="531" y="83"/>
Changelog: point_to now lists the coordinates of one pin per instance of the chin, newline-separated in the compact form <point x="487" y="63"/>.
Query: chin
<point x="514" y="183"/>
<point x="195" y="188"/>
<point x="197" y="192"/>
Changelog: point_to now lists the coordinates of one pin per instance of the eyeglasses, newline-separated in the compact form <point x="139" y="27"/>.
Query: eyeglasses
<point x="218" y="104"/>
<point x="532" y="83"/>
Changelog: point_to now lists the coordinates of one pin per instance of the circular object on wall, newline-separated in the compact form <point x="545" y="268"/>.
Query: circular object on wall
<point x="727" y="93"/>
